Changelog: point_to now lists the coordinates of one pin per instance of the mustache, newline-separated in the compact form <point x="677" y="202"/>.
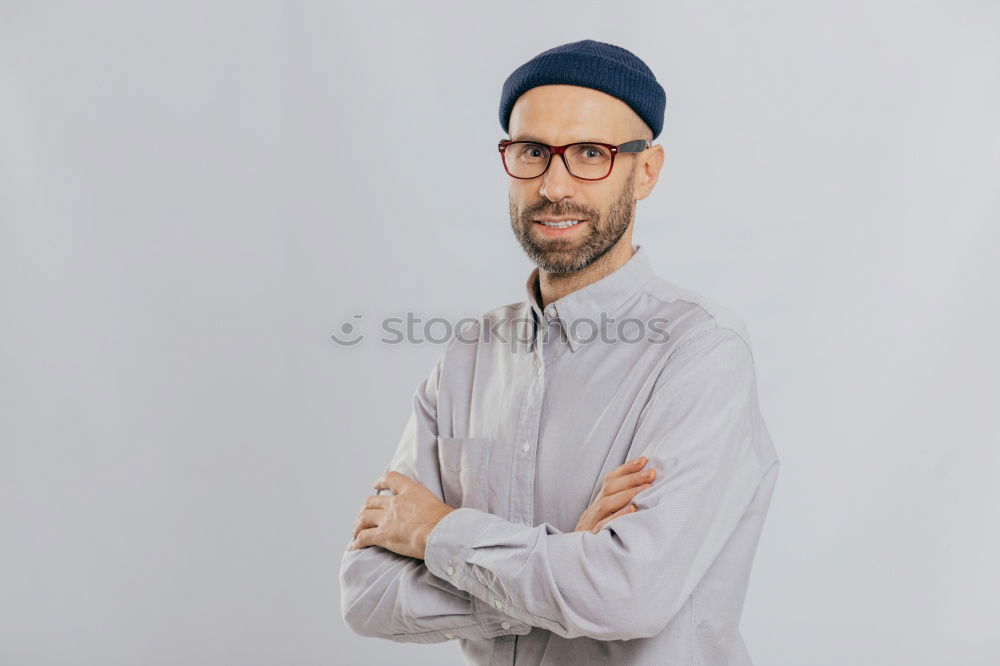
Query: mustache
<point x="531" y="213"/>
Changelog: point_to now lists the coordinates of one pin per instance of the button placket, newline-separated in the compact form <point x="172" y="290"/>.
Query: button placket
<point x="523" y="470"/>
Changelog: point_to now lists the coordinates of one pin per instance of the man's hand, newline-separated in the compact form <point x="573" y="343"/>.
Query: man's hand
<point x="401" y="522"/>
<point x="621" y="485"/>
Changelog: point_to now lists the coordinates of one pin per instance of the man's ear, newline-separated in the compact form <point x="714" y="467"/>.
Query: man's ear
<point x="649" y="171"/>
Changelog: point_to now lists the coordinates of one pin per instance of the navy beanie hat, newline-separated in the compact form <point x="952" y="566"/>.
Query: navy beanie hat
<point x="591" y="64"/>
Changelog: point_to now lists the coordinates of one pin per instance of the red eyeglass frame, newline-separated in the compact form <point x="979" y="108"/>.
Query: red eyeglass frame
<point x="636" y="146"/>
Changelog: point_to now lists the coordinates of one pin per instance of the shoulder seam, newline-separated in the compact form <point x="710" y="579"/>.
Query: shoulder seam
<point x="711" y="316"/>
<point x="691" y="338"/>
<point x="684" y="300"/>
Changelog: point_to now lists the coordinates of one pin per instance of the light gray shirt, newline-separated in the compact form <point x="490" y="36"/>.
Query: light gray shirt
<point x="522" y="417"/>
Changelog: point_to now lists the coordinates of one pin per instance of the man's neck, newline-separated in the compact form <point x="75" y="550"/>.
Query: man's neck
<point x="553" y="286"/>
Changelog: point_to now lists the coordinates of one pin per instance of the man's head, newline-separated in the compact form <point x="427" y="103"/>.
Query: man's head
<point x="576" y="93"/>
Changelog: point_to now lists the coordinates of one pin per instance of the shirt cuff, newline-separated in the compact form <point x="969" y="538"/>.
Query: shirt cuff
<point x="446" y="556"/>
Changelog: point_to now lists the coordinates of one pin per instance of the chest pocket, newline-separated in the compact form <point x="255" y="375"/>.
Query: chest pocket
<point x="464" y="464"/>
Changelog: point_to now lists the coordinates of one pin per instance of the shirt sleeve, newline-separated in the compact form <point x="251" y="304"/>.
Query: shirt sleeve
<point x="391" y="596"/>
<point x="702" y="432"/>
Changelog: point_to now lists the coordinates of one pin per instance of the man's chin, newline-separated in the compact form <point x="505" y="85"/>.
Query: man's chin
<point x="553" y="261"/>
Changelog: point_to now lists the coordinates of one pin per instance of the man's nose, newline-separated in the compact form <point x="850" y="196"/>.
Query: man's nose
<point x="557" y="182"/>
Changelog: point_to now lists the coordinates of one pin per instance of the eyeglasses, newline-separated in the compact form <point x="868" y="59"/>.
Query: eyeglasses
<point x="585" y="160"/>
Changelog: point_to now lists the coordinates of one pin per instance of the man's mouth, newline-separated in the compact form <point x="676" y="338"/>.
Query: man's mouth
<point x="562" y="224"/>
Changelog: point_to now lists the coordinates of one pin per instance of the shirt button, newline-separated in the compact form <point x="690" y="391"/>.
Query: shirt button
<point x="499" y="604"/>
<point x="526" y="447"/>
<point x="451" y="571"/>
<point x="505" y="625"/>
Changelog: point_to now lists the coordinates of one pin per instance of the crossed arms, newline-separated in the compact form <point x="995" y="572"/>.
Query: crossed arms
<point x="484" y="576"/>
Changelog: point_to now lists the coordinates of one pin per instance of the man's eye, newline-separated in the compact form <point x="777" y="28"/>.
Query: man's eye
<point x="591" y="153"/>
<point x="532" y="152"/>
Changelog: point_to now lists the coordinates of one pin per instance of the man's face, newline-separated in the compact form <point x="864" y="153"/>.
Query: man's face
<point x="557" y="115"/>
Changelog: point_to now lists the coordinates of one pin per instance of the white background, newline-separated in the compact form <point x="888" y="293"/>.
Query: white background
<point x="194" y="196"/>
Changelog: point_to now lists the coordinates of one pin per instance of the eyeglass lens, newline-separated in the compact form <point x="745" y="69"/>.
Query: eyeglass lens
<point x="584" y="160"/>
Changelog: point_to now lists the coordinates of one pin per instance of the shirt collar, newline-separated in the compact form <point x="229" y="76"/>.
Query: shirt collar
<point x="606" y="295"/>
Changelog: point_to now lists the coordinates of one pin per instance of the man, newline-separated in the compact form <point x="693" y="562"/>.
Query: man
<point x="518" y="521"/>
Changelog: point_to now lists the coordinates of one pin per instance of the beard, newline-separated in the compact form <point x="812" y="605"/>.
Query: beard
<point x="566" y="255"/>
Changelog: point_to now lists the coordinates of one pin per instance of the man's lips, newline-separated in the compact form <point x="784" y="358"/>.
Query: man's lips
<point x="556" y="231"/>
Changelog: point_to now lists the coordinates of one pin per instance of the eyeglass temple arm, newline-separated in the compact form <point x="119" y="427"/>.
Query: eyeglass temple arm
<point x="636" y="146"/>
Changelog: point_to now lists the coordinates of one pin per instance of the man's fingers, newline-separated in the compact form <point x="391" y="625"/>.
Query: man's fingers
<point x="629" y="481"/>
<point x="620" y="512"/>
<point x="377" y="502"/>
<point x="394" y="481"/>
<point x="629" y="467"/>
<point x="367" y="518"/>
<point x="621" y="498"/>
<point x="364" y="539"/>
